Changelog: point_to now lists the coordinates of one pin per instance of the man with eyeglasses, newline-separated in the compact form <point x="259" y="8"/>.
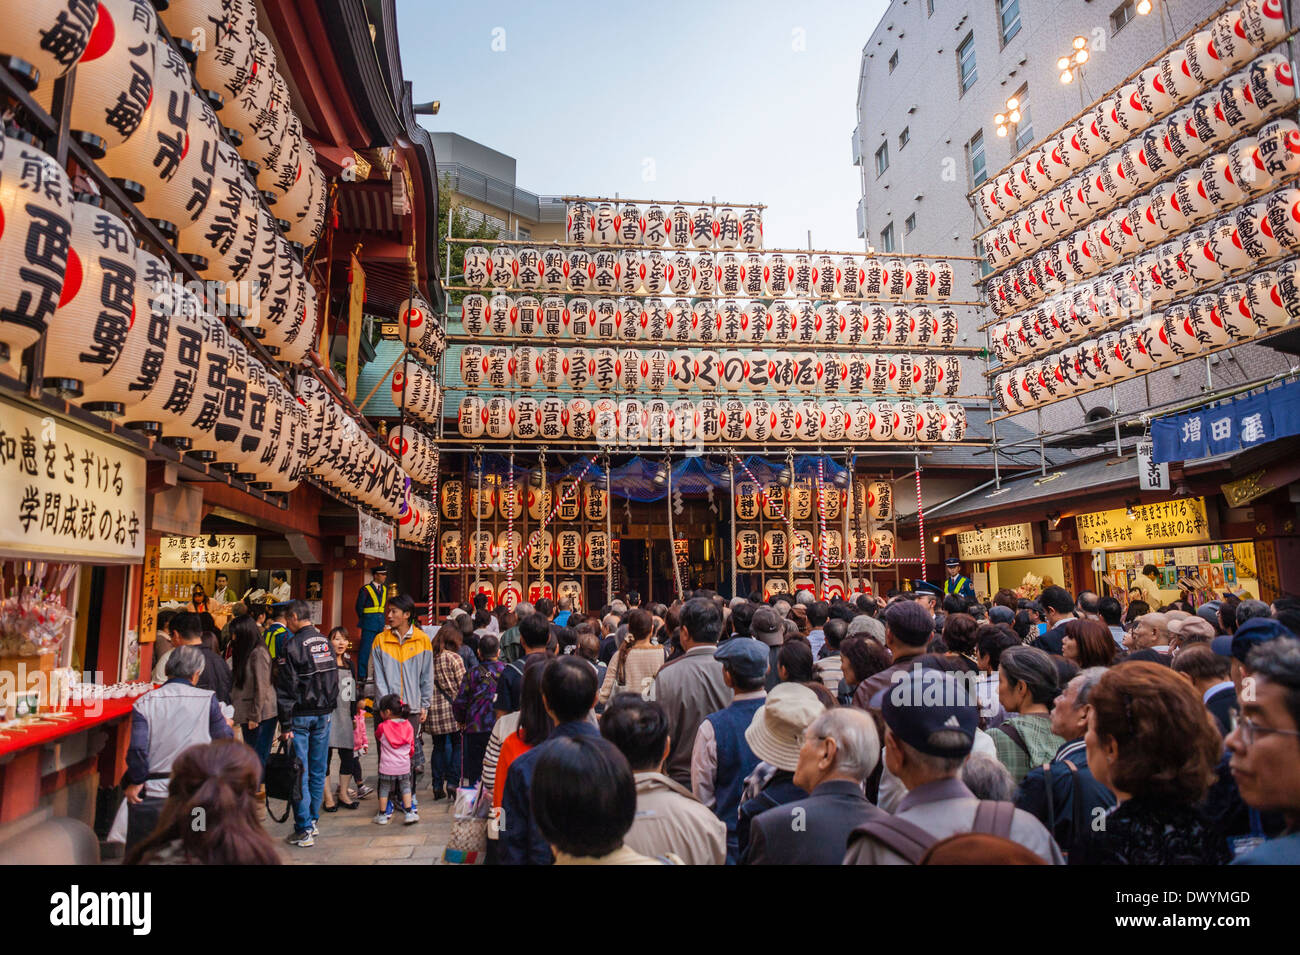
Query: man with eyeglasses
<point x="1265" y="745"/>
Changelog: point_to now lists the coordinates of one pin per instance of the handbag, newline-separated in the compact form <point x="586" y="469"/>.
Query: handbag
<point x="283" y="779"/>
<point x="467" y="841"/>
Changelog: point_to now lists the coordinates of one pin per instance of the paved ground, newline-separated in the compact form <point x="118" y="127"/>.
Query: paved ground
<point x="349" y="837"/>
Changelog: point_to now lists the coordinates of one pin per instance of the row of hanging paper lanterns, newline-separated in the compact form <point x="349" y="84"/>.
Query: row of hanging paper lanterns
<point x="774" y="549"/>
<point x="659" y="421"/>
<point x="421" y="330"/>
<point x="415" y="523"/>
<point x="777" y="274"/>
<point x="569" y="550"/>
<point x="1231" y="246"/>
<point x="416" y="391"/>
<point x="1118" y="121"/>
<point x="235" y="60"/>
<point x="1048" y="273"/>
<point x="340" y="454"/>
<point x="587" y="500"/>
<point x="510" y="592"/>
<point x="630" y="370"/>
<point x="127" y="340"/>
<point x="416" y="451"/>
<point x="1266" y="302"/>
<point x="1220" y="181"/>
<point x="776" y="502"/>
<point x="682" y="226"/>
<point x="796" y="321"/>
<point x="1249" y="164"/>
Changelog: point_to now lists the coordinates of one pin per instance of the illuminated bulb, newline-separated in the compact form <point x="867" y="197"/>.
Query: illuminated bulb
<point x="1081" y="57"/>
<point x="1063" y="63"/>
<point x="1015" y="116"/>
<point x="999" y="119"/>
<point x="1002" y="130"/>
<point x="1143" y="7"/>
<point x="1080" y="43"/>
<point x="1066" y="76"/>
<point x="1012" y="104"/>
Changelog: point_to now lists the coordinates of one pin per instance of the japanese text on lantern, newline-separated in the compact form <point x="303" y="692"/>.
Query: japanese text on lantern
<point x="67" y="494"/>
<point x="1181" y="520"/>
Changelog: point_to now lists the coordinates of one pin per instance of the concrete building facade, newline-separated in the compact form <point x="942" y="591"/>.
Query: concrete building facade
<point x="935" y="73"/>
<point x="482" y="181"/>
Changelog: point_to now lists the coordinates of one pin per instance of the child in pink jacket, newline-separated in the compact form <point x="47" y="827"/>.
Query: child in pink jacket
<point x="396" y="740"/>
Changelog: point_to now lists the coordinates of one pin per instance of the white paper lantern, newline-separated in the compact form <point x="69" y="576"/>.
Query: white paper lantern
<point x="1272" y="83"/>
<point x="88" y="330"/>
<point x="1263" y="22"/>
<point x="882" y="420"/>
<point x="704" y="227"/>
<point x="35" y="213"/>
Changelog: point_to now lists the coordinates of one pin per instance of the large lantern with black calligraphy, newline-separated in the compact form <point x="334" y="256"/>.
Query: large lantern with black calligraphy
<point x="35" y="216"/>
<point x="173" y="154"/>
<point x="115" y="75"/>
<point x="50" y="36"/>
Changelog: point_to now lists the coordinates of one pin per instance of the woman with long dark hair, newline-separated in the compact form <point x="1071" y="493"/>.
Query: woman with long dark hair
<point x="342" y="727"/>
<point x="216" y="782"/>
<point x="251" y="691"/>
<point x="1088" y="643"/>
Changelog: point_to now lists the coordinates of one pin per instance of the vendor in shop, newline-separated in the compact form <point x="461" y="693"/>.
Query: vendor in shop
<point x="279" y="586"/>
<point x="957" y="582"/>
<point x="222" y="594"/>
<point x="372" y="605"/>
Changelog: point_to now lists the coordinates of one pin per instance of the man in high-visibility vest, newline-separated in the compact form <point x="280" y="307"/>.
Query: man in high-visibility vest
<point x="957" y="583"/>
<point x="372" y="605"/>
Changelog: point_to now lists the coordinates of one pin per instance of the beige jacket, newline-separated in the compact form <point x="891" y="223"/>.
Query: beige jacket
<point x="669" y="820"/>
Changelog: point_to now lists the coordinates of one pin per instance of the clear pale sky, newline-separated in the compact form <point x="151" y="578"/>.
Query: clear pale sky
<point x="742" y="101"/>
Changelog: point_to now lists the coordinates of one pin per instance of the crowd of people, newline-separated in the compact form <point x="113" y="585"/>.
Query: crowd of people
<point x="913" y="728"/>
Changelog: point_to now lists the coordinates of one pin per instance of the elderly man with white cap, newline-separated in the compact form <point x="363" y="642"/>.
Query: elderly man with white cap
<point x="776" y="735"/>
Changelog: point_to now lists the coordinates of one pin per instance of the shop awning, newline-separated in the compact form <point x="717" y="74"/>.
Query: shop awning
<point x="1097" y="474"/>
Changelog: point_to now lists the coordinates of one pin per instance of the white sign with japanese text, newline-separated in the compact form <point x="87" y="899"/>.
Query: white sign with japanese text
<point x="67" y="494"/>
<point x="1151" y="475"/>
<point x="996" y="543"/>
<point x="231" y="552"/>
<point x="375" y="537"/>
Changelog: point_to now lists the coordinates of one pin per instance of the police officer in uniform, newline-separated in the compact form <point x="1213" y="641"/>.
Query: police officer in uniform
<point x="372" y="605"/>
<point x="957" y="582"/>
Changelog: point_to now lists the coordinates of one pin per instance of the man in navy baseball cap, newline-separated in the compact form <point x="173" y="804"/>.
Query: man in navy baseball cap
<point x="930" y="720"/>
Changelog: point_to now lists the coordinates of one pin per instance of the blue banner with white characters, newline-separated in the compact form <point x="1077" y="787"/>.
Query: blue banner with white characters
<point x="1231" y="425"/>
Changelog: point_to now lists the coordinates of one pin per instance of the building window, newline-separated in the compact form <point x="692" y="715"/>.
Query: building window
<point x="1009" y="19"/>
<point x="893" y="61"/>
<point x="966" y="74"/>
<point x="903" y="138"/>
<point x="523" y="233"/>
<point x="887" y="238"/>
<point x="909" y="224"/>
<point x="1122" y="15"/>
<point x="1025" y="128"/>
<point x="882" y="159"/>
<point x="985" y="268"/>
<point x="975" y="155"/>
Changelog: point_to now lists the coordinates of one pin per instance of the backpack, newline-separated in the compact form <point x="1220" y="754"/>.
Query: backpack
<point x="912" y="842"/>
<point x="475" y="707"/>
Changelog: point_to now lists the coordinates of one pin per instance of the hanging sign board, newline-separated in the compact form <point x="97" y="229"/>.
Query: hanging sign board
<point x="68" y="495"/>
<point x="375" y="537"/>
<point x="1171" y="522"/>
<point x="1152" y="476"/>
<point x="232" y="552"/>
<point x="998" y="543"/>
